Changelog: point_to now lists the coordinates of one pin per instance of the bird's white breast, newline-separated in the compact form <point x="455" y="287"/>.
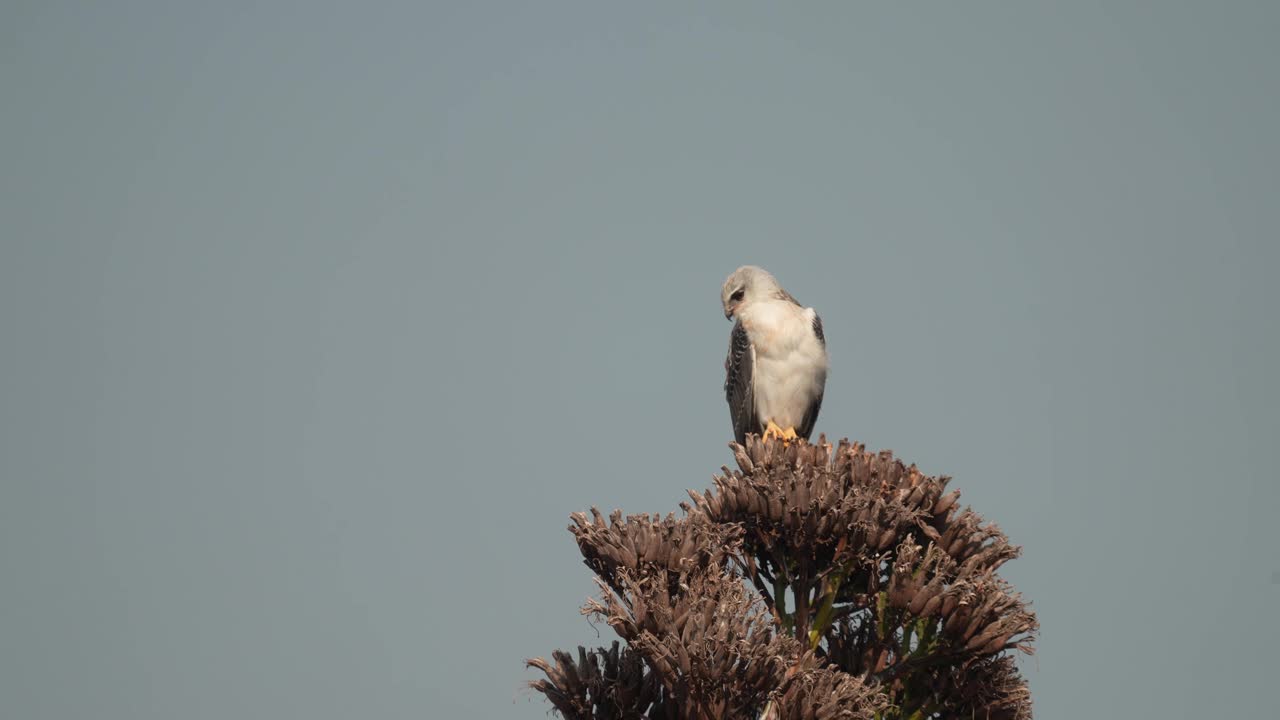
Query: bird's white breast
<point x="790" y="366"/>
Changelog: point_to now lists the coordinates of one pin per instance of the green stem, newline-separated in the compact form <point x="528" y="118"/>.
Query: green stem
<point x="780" y="602"/>
<point x="882" y="612"/>
<point x="924" y="631"/>
<point x="823" y="621"/>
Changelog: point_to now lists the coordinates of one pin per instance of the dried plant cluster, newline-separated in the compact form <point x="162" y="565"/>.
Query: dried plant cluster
<point x="812" y="582"/>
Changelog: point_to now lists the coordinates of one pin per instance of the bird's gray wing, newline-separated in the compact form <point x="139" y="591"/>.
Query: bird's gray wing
<point x="815" y="405"/>
<point x="737" y="384"/>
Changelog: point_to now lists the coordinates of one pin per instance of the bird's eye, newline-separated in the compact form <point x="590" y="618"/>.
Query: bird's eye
<point x="737" y="295"/>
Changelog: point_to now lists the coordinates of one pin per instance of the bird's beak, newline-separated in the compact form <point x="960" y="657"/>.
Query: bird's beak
<point x="728" y="313"/>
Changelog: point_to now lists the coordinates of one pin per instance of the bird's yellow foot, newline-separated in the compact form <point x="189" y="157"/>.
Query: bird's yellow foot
<point x="772" y="431"/>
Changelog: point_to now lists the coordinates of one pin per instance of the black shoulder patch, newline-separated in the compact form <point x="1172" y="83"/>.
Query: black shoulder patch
<point x="737" y="364"/>
<point x="817" y="329"/>
<point x="737" y="384"/>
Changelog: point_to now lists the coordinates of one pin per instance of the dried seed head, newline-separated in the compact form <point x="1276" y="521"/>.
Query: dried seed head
<point x="917" y="617"/>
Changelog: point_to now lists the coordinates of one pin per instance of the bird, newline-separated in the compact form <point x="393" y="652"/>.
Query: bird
<point x="776" y="369"/>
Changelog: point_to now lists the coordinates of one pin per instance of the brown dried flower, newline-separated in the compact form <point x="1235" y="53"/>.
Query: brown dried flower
<point x="647" y="544"/>
<point x="602" y="684"/>
<point x="877" y="595"/>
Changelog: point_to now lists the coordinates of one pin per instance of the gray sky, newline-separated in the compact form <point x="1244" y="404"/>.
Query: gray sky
<point x="318" y="319"/>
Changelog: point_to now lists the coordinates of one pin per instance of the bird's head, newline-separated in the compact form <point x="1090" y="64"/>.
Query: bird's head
<point x="747" y="284"/>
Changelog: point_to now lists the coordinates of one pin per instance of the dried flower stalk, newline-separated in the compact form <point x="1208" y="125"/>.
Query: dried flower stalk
<point x="876" y="596"/>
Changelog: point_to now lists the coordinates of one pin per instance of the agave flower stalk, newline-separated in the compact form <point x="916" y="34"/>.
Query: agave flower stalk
<point x="897" y="608"/>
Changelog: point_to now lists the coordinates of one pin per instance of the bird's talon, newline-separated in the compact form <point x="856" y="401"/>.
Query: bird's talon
<point x="788" y="436"/>
<point x="772" y="431"/>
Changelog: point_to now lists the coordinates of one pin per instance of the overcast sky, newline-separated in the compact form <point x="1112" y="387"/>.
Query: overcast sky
<point x="318" y="319"/>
